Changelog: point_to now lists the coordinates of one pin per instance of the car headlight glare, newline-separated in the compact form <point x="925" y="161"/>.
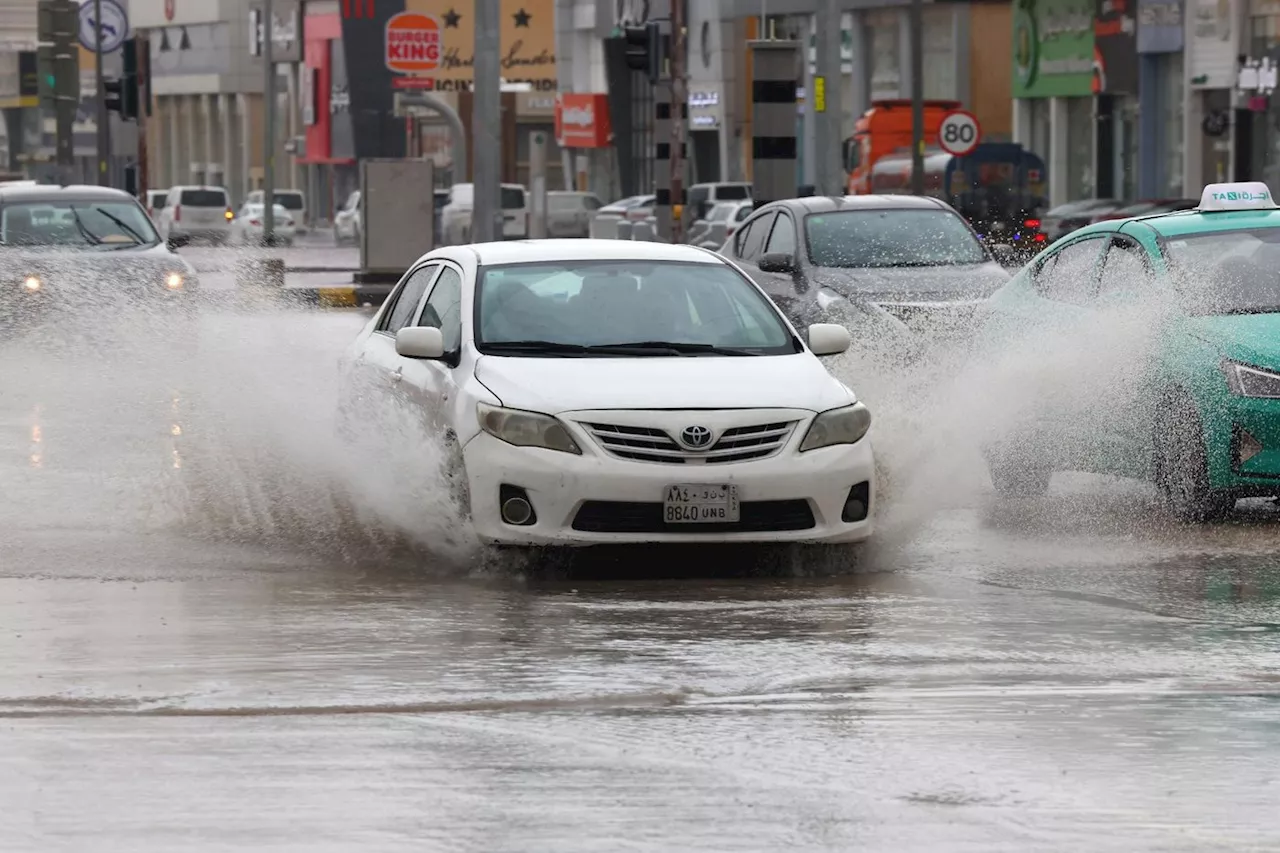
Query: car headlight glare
<point x="173" y="280"/>
<point x="1247" y="381"/>
<point x="846" y="425"/>
<point x="32" y="283"/>
<point x="526" y="429"/>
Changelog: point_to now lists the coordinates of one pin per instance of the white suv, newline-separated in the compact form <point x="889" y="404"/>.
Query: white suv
<point x="197" y="213"/>
<point x="608" y="391"/>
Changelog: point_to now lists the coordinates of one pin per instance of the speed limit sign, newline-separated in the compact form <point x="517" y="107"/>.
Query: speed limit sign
<point x="959" y="133"/>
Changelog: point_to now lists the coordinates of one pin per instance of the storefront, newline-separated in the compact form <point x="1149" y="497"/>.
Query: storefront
<point x="1054" y="77"/>
<point x="1210" y="123"/>
<point x="328" y="154"/>
<point x="706" y="118"/>
<point x="1115" y="83"/>
<point x="1162" y="91"/>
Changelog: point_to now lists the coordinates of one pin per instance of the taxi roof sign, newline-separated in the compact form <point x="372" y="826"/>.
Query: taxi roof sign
<point x="1244" y="195"/>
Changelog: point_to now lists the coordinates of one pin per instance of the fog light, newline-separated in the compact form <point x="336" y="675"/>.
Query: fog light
<point x="514" y="505"/>
<point x="857" y="503"/>
<point x="1247" y="446"/>
<point x="173" y="281"/>
<point x="32" y="283"/>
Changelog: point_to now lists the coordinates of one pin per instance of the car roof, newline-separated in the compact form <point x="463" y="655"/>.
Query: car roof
<point x="535" y="251"/>
<point x="1182" y="223"/>
<point x="829" y="204"/>
<point x="54" y="192"/>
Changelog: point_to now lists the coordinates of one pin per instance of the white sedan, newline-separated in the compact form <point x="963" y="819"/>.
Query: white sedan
<point x="610" y="392"/>
<point x="247" y="228"/>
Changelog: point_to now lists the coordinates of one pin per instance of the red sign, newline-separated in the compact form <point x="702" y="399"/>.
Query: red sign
<point x="357" y="8"/>
<point x="582" y="120"/>
<point x="413" y="43"/>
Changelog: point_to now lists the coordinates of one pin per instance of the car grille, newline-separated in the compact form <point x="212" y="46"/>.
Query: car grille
<point x="649" y="444"/>
<point x="754" y="517"/>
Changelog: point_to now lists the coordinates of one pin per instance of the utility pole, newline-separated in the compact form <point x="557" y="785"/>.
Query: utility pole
<point x="486" y="124"/>
<point x="144" y="110"/>
<point x="827" y="101"/>
<point x="679" y="123"/>
<point x="269" y="129"/>
<point x="104" y="126"/>
<point x="917" y="96"/>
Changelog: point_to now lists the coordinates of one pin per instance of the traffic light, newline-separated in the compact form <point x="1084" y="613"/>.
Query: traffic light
<point x="653" y="56"/>
<point x="113" y="94"/>
<point x="637" y="40"/>
<point x="57" y="54"/>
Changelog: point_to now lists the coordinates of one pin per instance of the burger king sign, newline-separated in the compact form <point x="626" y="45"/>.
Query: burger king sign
<point x="413" y="43"/>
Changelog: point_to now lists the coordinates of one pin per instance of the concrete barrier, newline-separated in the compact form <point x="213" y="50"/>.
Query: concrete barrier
<point x="717" y="234"/>
<point x="643" y="230"/>
<point x="625" y="229"/>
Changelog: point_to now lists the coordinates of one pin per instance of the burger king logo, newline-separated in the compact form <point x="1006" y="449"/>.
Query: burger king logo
<point x="413" y="43"/>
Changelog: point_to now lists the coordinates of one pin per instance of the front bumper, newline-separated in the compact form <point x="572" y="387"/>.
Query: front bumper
<point x="1238" y="423"/>
<point x="595" y="499"/>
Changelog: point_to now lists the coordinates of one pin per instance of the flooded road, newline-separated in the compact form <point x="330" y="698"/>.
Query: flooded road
<point x="215" y="635"/>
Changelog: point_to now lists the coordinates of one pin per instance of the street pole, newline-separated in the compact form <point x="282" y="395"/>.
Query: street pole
<point x="104" y="129"/>
<point x="679" y="111"/>
<point x="486" y="124"/>
<point x="269" y="130"/>
<point x="827" y="102"/>
<point x="144" y="105"/>
<point x="538" y="184"/>
<point x="917" y="97"/>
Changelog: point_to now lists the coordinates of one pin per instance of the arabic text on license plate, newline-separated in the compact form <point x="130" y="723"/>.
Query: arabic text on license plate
<point x="700" y="504"/>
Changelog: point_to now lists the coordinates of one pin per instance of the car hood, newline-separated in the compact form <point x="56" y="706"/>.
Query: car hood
<point x="1251" y="338"/>
<point x="122" y="269"/>
<point x="963" y="283"/>
<point x="555" y="385"/>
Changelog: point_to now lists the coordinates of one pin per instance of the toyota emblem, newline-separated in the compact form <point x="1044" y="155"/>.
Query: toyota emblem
<point x="696" y="437"/>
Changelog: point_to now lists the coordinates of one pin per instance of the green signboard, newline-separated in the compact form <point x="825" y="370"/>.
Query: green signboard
<point x="1053" y="48"/>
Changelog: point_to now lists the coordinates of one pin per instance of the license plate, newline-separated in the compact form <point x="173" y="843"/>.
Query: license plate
<point x="700" y="504"/>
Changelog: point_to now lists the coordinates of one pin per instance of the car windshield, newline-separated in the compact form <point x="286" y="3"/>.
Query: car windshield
<point x="669" y="308"/>
<point x="734" y="192"/>
<point x="1227" y="272"/>
<point x="290" y="201"/>
<point x="77" y="224"/>
<point x="203" y="198"/>
<point x="890" y="238"/>
<point x="512" y="198"/>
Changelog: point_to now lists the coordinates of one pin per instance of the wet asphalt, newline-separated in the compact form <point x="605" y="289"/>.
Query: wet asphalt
<point x="215" y="635"/>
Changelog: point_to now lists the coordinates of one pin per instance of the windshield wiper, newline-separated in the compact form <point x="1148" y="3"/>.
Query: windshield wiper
<point x="93" y="239"/>
<point x="129" y="232"/>
<point x="646" y="348"/>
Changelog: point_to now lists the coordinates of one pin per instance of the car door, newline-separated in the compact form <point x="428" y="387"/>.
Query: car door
<point x="383" y="366"/>
<point x="430" y="383"/>
<point x="783" y="288"/>
<point x="1126" y="305"/>
<point x="749" y="243"/>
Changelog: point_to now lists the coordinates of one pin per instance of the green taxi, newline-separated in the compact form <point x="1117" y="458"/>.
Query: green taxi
<point x="1196" y="408"/>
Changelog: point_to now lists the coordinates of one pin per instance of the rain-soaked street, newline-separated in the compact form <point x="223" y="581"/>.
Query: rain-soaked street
<point x="216" y="633"/>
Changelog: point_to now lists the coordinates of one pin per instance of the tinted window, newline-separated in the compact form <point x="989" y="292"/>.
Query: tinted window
<point x="203" y="198"/>
<point x="408" y="298"/>
<point x="783" y="237"/>
<point x="290" y="201"/>
<point x="512" y="198"/>
<point x="752" y="242"/>
<point x="108" y="224"/>
<point x="891" y="238"/>
<point x="1068" y="275"/>
<point x="698" y="195"/>
<point x="733" y="192"/>
<point x="444" y="308"/>
<point x="595" y="303"/>
<point x="1227" y="272"/>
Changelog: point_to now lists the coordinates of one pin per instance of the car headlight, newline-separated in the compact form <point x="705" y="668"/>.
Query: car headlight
<point x="32" y="283"/>
<point x="1247" y="381"/>
<point x="846" y="425"/>
<point x="526" y="429"/>
<point x="174" y="280"/>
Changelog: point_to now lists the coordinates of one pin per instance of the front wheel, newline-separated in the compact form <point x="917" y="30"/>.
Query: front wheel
<point x="1013" y="475"/>
<point x="1182" y="466"/>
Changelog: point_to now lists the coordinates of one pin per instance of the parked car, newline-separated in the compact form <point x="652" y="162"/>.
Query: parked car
<point x="294" y="201"/>
<point x="913" y="257"/>
<point x="248" y="228"/>
<point x="605" y="223"/>
<point x="703" y="197"/>
<point x="731" y="213"/>
<point x="346" y="222"/>
<point x="569" y="214"/>
<point x="456" y="213"/>
<point x="595" y="392"/>
<point x="197" y="213"/>
<point x="154" y="203"/>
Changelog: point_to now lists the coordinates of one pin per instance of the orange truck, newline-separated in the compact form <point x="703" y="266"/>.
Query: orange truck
<point x="886" y="129"/>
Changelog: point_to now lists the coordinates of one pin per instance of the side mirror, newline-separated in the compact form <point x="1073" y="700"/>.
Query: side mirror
<point x="177" y="241"/>
<point x="777" y="262"/>
<point x="829" y="339"/>
<point x="420" y="342"/>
